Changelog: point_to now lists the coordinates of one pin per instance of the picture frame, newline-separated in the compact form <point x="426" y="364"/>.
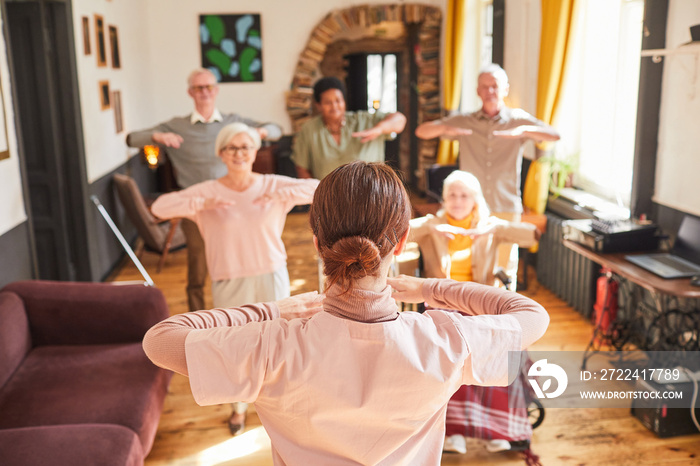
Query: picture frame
<point x="231" y="46"/>
<point x="105" y="96"/>
<point x="114" y="47"/>
<point x="117" y="106"/>
<point x="100" y="43"/>
<point x="4" y="144"/>
<point x="86" y="36"/>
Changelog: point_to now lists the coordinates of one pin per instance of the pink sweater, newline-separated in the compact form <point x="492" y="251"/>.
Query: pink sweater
<point x="244" y="239"/>
<point x="359" y="383"/>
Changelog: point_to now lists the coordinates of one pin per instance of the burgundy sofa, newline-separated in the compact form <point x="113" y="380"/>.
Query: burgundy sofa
<point x="75" y="385"/>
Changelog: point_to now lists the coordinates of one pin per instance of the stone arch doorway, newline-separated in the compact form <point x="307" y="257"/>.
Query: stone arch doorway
<point x="411" y="30"/>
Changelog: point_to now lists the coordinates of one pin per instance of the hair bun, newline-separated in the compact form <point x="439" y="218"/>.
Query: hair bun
<point x="351" y="258"/>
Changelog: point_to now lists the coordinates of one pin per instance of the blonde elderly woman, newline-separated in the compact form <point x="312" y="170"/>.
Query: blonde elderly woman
<point x="241" y="216"/>
<point x="461" y="242"/>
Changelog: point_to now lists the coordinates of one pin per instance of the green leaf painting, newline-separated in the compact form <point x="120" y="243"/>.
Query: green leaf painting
<point x="232" y="47"/>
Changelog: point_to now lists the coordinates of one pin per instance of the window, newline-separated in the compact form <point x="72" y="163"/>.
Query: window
<point x="477" y="49"/>
<point x="598" y="108"/>
<point x="487" y="32"/>
<point x="381" y="83"/>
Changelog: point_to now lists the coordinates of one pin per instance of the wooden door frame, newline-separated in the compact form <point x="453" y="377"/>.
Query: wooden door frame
<point x="74" y="186"/>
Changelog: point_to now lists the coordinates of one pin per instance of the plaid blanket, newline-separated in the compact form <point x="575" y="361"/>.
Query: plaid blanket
<point x="483" y="413"/>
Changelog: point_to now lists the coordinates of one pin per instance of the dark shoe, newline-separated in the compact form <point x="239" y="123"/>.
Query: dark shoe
<point x="236" y="423"/>
<point x="519" y="445"/>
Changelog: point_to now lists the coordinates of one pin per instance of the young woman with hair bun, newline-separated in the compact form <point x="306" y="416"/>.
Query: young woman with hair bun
<point x="353" y="381"/>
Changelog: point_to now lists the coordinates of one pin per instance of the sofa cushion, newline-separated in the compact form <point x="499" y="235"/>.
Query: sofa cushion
<point x="112" y="384"/>
<point x="71" y="445"/>
<point x="15" y="341"/>
<point x="79" y="313"/>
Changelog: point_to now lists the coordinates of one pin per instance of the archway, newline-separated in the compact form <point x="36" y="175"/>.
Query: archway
<point x="341" y="31"/>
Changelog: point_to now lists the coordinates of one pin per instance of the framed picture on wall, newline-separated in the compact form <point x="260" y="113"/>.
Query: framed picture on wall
<point x="4" y="147"/>
<point x="104" y="95"/>
<point x="86" y="35"/>
<point x="100" y="44"/>
<point x="114" y="47"/>
<point x="117" y="106"/>
<point x="231" y="47"/>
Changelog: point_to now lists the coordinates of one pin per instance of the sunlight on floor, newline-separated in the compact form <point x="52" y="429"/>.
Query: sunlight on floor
<point x="245" y="444"/>
<point x="297" y="284"/>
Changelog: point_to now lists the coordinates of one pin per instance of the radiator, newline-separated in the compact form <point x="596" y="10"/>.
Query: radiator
<point x="567" y="274"/>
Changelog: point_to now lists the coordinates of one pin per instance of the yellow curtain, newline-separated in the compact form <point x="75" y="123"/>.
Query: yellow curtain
<point x="557" y="16"/>
<point x="452" y="75"/>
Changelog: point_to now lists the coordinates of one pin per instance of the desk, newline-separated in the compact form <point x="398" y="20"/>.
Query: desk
<point x="671" y="322"/>
<point x="617" y="263"/>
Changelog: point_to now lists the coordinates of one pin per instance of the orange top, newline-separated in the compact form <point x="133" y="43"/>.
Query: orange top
<point x="460" y="250"/>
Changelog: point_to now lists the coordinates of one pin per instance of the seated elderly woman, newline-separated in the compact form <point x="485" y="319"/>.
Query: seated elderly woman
<point x="241" y="216"/>
<point x="356" y="381"/>
<point x="461" y="242"/>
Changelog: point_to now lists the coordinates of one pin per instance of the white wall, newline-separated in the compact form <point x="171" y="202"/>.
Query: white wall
<point x="104" y="148"/>
<point x="678" y="153"/>
<point x="286" y="26"/>
<point x="12" y="211"/>
<point x="159" y="46"/>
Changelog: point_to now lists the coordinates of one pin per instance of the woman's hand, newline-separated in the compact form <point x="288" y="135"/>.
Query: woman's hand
<point x="301" y="306"/>
<point x="407" y="289"/>
<point x="449" y="231"/>
<point x="270" y="197"/>
<point x="215" y="203"/>
<point x="483" y="230"/>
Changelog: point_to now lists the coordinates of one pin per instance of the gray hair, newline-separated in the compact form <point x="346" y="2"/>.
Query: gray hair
<point x="229" y="131"/>
<point x="497" y="72"/>
<point x="473" y="186"/>
<point x="197" y="72"/>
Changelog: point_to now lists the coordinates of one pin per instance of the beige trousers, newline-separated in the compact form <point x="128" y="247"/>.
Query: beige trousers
<point x="508" y="252"/>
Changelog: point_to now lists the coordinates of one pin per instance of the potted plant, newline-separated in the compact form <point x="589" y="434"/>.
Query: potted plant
<point x="562" y="169"/>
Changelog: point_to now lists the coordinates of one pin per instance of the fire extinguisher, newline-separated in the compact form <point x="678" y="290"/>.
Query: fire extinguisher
<point x="605" y="306"/>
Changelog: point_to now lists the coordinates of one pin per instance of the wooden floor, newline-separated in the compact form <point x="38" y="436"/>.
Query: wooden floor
<point x="192" y="435"/>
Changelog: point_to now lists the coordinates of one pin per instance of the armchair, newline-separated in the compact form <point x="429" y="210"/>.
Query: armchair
<point x="158" y="236"/>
